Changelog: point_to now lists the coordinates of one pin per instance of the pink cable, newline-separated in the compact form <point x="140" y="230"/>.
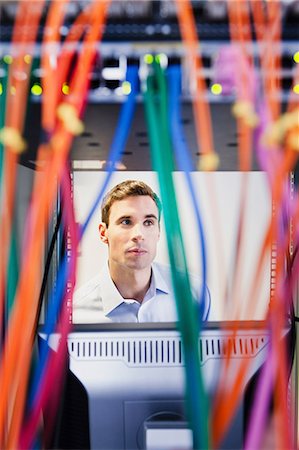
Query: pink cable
<point x="48" y="395"/>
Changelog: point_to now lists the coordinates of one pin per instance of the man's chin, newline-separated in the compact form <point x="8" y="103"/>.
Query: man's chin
<point x="138" y="265"/>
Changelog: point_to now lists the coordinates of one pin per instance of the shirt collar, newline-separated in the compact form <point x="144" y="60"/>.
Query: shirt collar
<point x="159" y="280"/>
<point x="111" y="297"/>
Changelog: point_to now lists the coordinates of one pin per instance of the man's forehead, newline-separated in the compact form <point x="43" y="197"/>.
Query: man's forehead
<point x="139" y="204"/>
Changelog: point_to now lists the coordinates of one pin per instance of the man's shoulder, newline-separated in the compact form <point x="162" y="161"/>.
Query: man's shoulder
<point x="165" y="271"/>
<point x="88" y="302"/>
<point x="201" y="296"/>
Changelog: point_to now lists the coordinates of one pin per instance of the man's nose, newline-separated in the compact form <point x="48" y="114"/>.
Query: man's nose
<point x="137" y="233"/>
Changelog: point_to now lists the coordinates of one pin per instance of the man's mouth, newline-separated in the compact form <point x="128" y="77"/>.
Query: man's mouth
<point x="137" y="251"/>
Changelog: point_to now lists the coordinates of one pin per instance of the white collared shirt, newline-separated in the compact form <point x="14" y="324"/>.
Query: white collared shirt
<point x="100" y="301"/>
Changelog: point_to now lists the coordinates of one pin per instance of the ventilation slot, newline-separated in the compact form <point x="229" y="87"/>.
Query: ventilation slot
<point x="129" y="353"/>
<point x="230" y="347"/>
<point x="166" y="351"/>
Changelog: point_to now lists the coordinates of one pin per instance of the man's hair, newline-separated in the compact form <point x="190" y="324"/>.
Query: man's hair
<point x="128" y="188"/>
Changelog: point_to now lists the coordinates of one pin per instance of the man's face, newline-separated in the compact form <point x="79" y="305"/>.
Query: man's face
<point x="133" y="232"/>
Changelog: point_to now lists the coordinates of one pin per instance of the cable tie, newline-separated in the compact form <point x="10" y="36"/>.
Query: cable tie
<point x="292" y="140"/>
<point x="68" y="115"/>
<point x="208" y="162"/>
<point x="244" y="110"/>
<point x="12" y="138"/>
<point x="273" y="135"/>
<point x="285" y="125"/>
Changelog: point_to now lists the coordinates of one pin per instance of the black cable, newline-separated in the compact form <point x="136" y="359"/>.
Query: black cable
<point x="291" y="335"/>
<point x="292" y="338"/>
<point x="47" y="268"/>
<point x="45" y="277"/>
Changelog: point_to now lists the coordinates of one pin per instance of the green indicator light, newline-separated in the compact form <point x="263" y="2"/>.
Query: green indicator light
<point x="161" y="59"/>
<point x="126" y="87"/>
<point x="65" y="89"/>
<point x="36" y="89"/>
<point x="1" y="89"/>
<point x="148" y="59"/>
<point x="296" y="57"/>
<point x="7" y="59"/>
<point x="216" y="89"/>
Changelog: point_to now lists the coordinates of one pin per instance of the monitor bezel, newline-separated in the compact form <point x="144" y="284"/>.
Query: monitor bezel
<point x="151" y="326"/>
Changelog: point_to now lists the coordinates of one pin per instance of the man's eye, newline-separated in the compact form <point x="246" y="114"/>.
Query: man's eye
<point x="148" y="223"/>
<point x="125" y="222"/>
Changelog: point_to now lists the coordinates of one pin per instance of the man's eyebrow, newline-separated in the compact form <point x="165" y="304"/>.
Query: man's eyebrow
<point x="123" y="218"/>
<point x="151" y="216"/>
<point x="147" y="216"/>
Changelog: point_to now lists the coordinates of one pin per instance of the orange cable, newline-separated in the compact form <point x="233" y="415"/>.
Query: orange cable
<point x="267" y="18"/>
<point x="245" y="144"/>
<point x="239" y="24"/>
<point x="49" y="62"/>
<point x="201" y="110"/>
<point x="25" y="290"/>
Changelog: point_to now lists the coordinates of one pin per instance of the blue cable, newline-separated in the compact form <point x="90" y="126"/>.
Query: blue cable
<point x="55" y="304"/>
<point x="117" y="148"/>
<point x="184" y="161"/>
<point x="120" y="137"/>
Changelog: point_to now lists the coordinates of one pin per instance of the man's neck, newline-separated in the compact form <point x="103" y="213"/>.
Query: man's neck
<point x="132" y="284"/>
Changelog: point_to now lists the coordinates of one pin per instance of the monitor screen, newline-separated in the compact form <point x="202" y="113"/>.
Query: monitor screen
<point x="126" y="383"/>
<point x="225" y="199"/>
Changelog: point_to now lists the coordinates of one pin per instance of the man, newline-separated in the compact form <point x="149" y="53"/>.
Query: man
<point x="131" y="287"/>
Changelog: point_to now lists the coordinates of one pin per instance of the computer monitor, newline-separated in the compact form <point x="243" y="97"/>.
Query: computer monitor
<point x="126" y="382"/>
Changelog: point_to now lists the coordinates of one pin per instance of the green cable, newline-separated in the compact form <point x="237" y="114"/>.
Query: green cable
<point x="12" y="275"/>
<point x="161" y="150"/>
<point x="200" y="410"/>
<point x="2" y="114"/>
<point x="13" y="266"/>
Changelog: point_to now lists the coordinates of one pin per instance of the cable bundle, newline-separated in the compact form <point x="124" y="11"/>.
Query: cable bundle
<point x="261" y="128"/>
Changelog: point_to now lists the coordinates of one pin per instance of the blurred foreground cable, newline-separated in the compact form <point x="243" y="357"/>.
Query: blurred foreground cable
<point x="12" y="272"/>
<point x="41" y="378"/>
<point x="14" y="371"/>
<point x="51" y="365"/>
<point x="182" y="154"/>
<point x="120" y="137"/>
<point x="156" y="115"/>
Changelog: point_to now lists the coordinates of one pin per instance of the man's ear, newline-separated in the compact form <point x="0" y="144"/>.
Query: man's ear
<point x="103" y="232"/>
